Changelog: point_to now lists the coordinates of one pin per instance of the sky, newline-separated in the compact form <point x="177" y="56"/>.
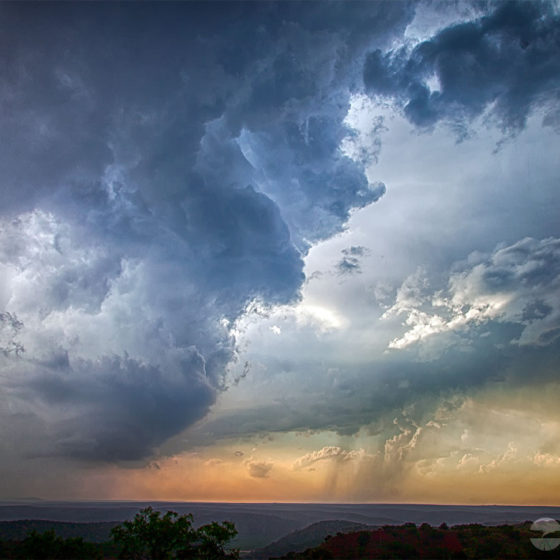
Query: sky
<point x="280" y="251"/>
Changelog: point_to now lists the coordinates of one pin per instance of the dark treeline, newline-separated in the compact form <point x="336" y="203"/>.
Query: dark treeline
<point x="458" y="542"/>
<point x="149" y="536"/>
<point x="152" y="535"/>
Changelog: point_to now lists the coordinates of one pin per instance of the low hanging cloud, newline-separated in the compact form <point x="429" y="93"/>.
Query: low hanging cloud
<point x="133" y="396"/>
<point x="505" y="64"/>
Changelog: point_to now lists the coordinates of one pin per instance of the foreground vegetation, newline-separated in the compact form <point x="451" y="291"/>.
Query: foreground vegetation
<point x="152" y="535"/>
<point x="409" y="541"/>
<point x="149" y="536"/>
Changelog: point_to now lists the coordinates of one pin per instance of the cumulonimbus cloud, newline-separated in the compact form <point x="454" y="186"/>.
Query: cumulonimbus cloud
<point x="160" y="172"/>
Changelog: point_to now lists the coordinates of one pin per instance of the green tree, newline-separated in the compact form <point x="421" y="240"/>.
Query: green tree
<point x="212" y="540"/>
<point x="153" y="536"/>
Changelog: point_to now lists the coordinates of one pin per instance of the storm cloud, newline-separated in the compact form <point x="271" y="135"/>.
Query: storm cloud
<point x="503" y="65"/>
<point x="243" y="238"/>
<point x="164" y="166"/>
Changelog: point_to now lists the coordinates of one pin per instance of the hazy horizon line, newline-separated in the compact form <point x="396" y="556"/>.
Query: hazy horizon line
<point x="276" y="502"/>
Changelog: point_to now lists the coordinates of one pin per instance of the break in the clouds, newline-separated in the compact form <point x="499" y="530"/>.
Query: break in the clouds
<point x="226" y="223"/>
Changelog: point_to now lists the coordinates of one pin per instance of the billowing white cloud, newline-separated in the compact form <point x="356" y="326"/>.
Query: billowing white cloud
<point x="517" y="284"/>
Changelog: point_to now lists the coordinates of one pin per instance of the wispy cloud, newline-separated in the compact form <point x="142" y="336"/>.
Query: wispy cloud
<point x="334" y="453"/>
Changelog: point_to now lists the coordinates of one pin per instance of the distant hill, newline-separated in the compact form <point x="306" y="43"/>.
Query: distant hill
<point x="310" y="536"/>
<point x="91" y="532"/>
<point x="255" y="530"/>
<point x="301" y="514"/>
<point x="258" y="524"/>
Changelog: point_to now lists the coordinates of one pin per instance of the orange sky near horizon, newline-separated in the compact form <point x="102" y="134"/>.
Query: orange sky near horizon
<point x="452" y="460"/>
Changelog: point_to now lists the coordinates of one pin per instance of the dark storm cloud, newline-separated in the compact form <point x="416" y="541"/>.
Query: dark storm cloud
<point x="369" y="397"/>
<point x="507" y="62"/>
<point x="163" y="165"/>
<point x="141" y="405"/>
